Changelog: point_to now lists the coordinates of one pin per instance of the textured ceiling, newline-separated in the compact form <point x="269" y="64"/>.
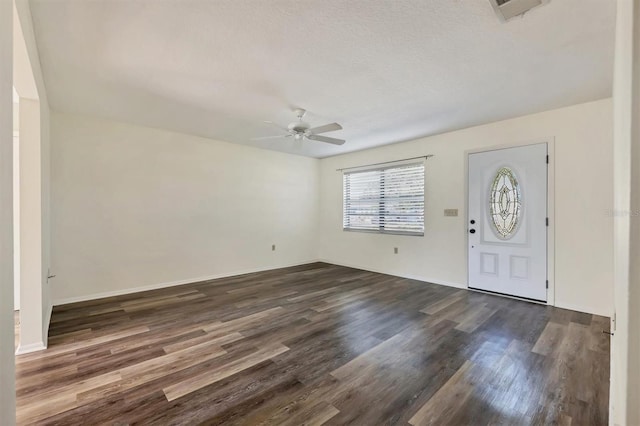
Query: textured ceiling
<point x="387" y="70"/>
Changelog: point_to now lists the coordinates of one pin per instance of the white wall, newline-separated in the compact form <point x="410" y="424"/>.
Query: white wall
<point x="16" y="207"/>
<point x="46" y="304"/>
<point x="134" y="206"/>
<point x="7" y="360"/>
<point x="625" y="344"/>
<point x="35" y="301"/>
<point x="583" y="200"/>
<point x="115" y="185"/>
<point x="31" y="232"/>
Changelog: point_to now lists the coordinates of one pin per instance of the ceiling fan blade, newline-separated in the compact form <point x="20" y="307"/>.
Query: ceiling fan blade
<point x="276" y="125"/>
<point x="326" y="139"/>
<point x="326" y="128"/>
<point x="264" y="138"/>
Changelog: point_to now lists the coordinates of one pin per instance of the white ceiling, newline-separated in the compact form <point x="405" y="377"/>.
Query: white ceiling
<point x="387" y="70"/>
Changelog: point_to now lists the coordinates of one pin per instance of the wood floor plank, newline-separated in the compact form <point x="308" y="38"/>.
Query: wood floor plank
<point x="315" y="416"/>
<point x="474" y="318"/>
<point x="313" y="294"/>
<point x="206" y="338"/>
<point x="550" y="339"/>
<point x="35" y="407"/>
<point x="316" y="344"/>
<point x="71" y="347"/>
<point x="246" y="321"/>
<point x="439" y="305"/>
<point x="137" y="375"/>
<point x="436" y="410"/>
<point x="183" y="388"/>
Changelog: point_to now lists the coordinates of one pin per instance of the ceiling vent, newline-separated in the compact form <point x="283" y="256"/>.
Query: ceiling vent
<point x="508" y="9"/>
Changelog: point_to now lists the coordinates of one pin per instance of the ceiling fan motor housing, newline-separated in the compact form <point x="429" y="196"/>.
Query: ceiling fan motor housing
<point x="299" y="127"/>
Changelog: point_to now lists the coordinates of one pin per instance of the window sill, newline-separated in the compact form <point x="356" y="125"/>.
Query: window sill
<point x="366" y="231"/>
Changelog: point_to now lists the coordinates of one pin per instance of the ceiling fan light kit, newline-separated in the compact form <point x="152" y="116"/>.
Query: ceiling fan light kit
<point x="301" y="130"/>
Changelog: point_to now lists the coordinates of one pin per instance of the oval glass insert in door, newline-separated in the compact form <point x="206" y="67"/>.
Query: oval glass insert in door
<point x="505" y="203"/>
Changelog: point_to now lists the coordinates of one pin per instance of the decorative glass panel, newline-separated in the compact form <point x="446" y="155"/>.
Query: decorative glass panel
<point x="505" y="203"/>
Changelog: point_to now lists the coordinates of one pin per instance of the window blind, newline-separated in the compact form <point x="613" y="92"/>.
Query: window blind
<point x="386" y="200"/>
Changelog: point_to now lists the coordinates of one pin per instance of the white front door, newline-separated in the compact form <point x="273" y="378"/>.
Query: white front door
<point x="507" y="221"/>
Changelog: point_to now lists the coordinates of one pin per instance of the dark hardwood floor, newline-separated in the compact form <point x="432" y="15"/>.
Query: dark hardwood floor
<point x="316" y="344"/>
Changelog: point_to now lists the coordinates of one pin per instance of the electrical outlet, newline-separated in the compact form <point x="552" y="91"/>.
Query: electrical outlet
<point x="395" y="250"/>
<point x="273" y="247"/>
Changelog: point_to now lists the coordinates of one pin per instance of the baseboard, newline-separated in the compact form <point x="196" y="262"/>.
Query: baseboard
<point x="95" y="296"/>
<point x="31" y="347"/>
<point x="586" y="310"/>
<point x="570" y="307"/>
<point x="408" y="276"/>
<point x="103" y="295"/>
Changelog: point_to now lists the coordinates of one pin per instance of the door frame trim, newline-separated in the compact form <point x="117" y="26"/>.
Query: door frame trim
<point x="551" y="231"/>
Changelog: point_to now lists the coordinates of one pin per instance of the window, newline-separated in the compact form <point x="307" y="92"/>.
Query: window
<point x="388" y="200"/>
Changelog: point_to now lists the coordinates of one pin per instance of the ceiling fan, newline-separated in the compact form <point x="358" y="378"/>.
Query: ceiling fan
<point x="300" y="130"/>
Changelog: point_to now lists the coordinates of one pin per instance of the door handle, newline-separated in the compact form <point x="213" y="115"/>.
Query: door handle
<point x="472" y="231"/>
